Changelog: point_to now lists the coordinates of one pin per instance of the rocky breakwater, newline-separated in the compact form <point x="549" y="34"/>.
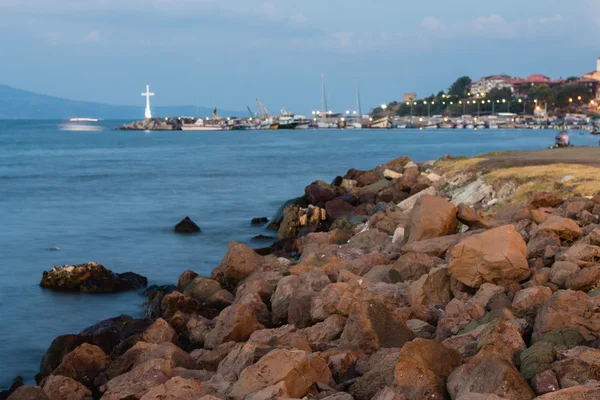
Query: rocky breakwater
<point x="153" y="124"/>
<point x="379" y="288"/>
<point x="91" y="278"/>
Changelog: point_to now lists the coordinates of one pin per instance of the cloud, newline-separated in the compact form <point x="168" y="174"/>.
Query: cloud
<point x="298" y="20"/>
<point x="495" y="26"/>
<point x="551" y="20"/>
<point x="92" y="37"/>
<point x="432" y="24"/>
<point x="270" y="11"/>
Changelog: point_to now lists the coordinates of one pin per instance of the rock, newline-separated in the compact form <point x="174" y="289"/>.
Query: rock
<point x="564" y="338"/>
<point x="431" y="217"/>
<point x="584" y="280"/>
<point x="235" y="324"/>
<point x="184" y="279"/>
<point x="544" y="200"/>
<point x="280" y="300"/>
<point x="137" y="382"/>
<point x="28" y="393"/>
<point x="431" y="289"/>
<point x="492" y="375"/>
<point x="545" y="382"/>
<point x="560" y="271"/>
<point x="391" y="175"/>
<point x="201" y="288"/>
<point x="435" y="247"/>
<point x="539" y="241"/>
<point x="348" y="184"/>
<point x="326" y="331"/>
<point x="409" y="203"/>
<point x="530" y="300"/>
<point x="379" y="374"/>
<point x="473" y="193"/>
<point x="143" y="352"/>
<point x="581" y="254"/>
<point x="414" y="381"/>
<point x="176" y="388"/>
<point x="502" y="338"/>
<point x="421" y="329"/>
<point x="239" y="262"/>
<point x="90" y="278"/>
<point x="160" y="331"/>
<point x="568" y="309"/>
<point x="486" y="293"/>
<point x="412" y="266"/>
<point x="475" y="219"/>
<point x="576" y="366"/>
<point x="299" y="308"/>
<point x="589" y="390"/>
<point x="319" y="193"/>
<point x="495" y="256"/>
<point x="432" y="355"/>
<point x="409" y="178"/>
<point x="241" y="356"/>
<point x="294" y="368"/>
<point x="369" y="240"/>
<point x="210" y="359"/>
<point x="565" y="228"/>
<point x="458" y="314"/>
<point x="187" y="226"/>
<point x="62" y="388"/>
<point x="337" y="208"/>
<point x="398" y="235"/>
<point x="388" y="393"/>
<point x="372" y="326"/>
<point x="83" y="364"/>
<point x="259" y="221"/>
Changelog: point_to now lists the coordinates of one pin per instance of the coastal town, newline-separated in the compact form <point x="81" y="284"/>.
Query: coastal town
<point x="493" y="102"/>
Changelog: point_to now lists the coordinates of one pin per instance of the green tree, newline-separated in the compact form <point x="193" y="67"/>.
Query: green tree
<point x="571" y="79"/>
<point x="541" y="93"/>
<point x="460" y="87"/>
<point x="579" y="95"/>
<point x="500" y="94"/>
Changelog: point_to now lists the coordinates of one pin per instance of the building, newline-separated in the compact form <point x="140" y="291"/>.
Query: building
<point x="592" y="80"/>
<point x="521" y="86"/>
<point x="408" y="97"/>
<point x="487" y="83"/>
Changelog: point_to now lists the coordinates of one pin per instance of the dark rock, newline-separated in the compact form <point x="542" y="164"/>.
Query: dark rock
<point x="114" y="284"/>
<point x="187" y="226"/>
<point x="259" y="221"/>
<point x="16" y="384"/>
<point x="263" y="238"/>
<point x="337" y="181"/>
<point x="91" y="278"/>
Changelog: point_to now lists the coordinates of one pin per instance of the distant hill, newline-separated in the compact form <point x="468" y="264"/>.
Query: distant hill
<point x="21" y="104"/>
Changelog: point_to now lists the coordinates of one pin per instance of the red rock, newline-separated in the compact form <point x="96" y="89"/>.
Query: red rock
<point x="372" y="326"/>
<point x="239" y="262"/>
<point x="175" y="301"/>
<point x="512" y="213"/>
<point x="584" y="280"/>
<point x="196" y="330"/>
<point x="576" y="366"/>
<point x="415" y="381"/>
<point x="544" y="199"/>
<point x="565" y="228"/>
<point x="530" y="300"/>
<point x="235" y="324"/>
<point x="241" y="356"/>
<point x="430" y="218"/>
<point x="176" y="388"/>
<point x="431" y="289"/>
<point x="568" y="309"/>
<point x="377" y="374"/>
<point x="545" y="382"/>
<point x="496" y="256"/>
<point x="280" y="300"/>
<point x="210" y="359"/>
<point x="28" y="393"/>
<point x="299" y="308"/>
<point x="137" y="382"/>
<point x="262" y="284"/>
<point x="409" y="178"/>
<point x="160" y="331"/>
<point x="342" y="363"/>
<point x="369" y="240"/>
<point x="540" y="241"/>
<point x="184" y="279"/>
<point x="458" y="315"/>
<point x="475" y="219"/>
<point x="337" y="208"/>
<point x="560" y="271"/>
<point x="83" y="364"/>
<point x="435" y="247"/>
<point x="432" y="355"/>
<point x="201" y="288"/>
<point x="319" y="193"/>
<point x="411" y="266"/>
<point x="502" y="338"/>
<point x="589" y="390"/>
<point x="326" y="331"/>
<point x="363" y="264"/>
<point x="62" y="388"/>
<point x="581" y="254"/>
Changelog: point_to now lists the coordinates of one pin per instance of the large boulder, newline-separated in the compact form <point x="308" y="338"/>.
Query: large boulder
<point x="377" y="374"/>
<point x="565" y="228"/>
<point x="28" y="393"/>
<point x="235" y="324"/>
<point x="137" y="382"/>
<point x="431" y="289"/>
<point x="83" y="364"/>
<point x="239" y="262"/>
<point x="176" y="388"/>
<point x="430" y="218"/>
<point x="91" y="278"/>
<point x="296" y="370"/>
<point x="568" y="309"/>
<point x="589" y="390"/>
<point x="495" y="256"/>
<point x="62" y="388"/>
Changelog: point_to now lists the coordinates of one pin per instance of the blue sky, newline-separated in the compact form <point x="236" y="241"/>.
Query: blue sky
<point x="226" y="53"/>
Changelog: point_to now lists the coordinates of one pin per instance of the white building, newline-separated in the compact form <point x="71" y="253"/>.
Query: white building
<point x="488" y="83"/>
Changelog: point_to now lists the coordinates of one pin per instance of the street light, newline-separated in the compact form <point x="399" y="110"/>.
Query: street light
<point x="347" y="112"/>
<point x="383" y="106"/>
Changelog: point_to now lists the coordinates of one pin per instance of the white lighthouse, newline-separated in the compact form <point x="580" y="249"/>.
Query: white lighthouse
<point x="148" y="113"/>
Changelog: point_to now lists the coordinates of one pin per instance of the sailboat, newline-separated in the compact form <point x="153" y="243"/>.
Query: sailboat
<point x="357" y="124"/>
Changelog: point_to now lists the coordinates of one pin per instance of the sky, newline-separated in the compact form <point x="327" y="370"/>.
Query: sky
<point x="227" y="53"/>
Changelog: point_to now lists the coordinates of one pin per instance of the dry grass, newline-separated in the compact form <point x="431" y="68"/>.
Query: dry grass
<point x="546" y="178"/>
<point x="452" y="167"/>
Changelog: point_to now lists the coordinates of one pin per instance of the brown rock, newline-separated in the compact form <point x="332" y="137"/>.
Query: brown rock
<point x="435" y="247"/>
<point x="512" y="213"/>
<point x="377" y="374"/>
<point x="280" y="301"/>
<point x="239" y="262"/>
<point x="28" y="393"/>
<point x="576" y="366"/>
<point x="262" y="284"/>
<point x="62" y="388"/>
<point x="176" y="302"/>
<point x="560" y="271"/>
<point x="201" y="288"/>
<point x="299" y="309"/>
<point x="388" y="393"/>
<point x="544" y="199"/>
<point x="319" y="193"/>
<point x="432" y="355"/>
<point x="371" y="326"/>
<point x="585" y="280"/>
<point x="176" y="388"/>
<point x="83" y="364"/>
<point x="581" y="254"/>
<point x="184" y="279"/>
<point x="496" y="256"/>
<point x="589" y="390"/>
<point x="502" y="338"/>
<point x="486" y="293"/>
<point x="210" y="359"/>
<point x="409" y="178"/>
<point x="458" y="315"/>
<point x="415" y="381"/>
<point x="530" y="300"/>
<point x="431" y="289"/>
<point x="241" y="356"/>
<point x="565" y="228"/>
<point x="540" y="241"/>
<point x="568" y="309"/>
<point x="545" y="382"/>
<point x="337" y="208"/>
<point x="160" y="331"/>
<point x="475" y="219"/>
<point x="326" y="331"/>
<point x="196" y="330"/>
<point x="412" y="266"/>
<point x="430" y="218"/>
<point x="369" y="240"/>
<point x="342" y="363"/>
<point x="137" y="382"/>
<point x="235" y="324"/>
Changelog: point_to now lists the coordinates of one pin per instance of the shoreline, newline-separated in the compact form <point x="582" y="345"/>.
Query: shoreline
<point x="347" y="239"/>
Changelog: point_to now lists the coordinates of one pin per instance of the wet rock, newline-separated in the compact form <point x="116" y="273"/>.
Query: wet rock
<point x="62" y="388"/>
<point x="83" y="364"/>
<point x="91" y="278"/>
<point x="259" y="221"/>
<point x="495" y="256"/>
<point x="186" y="225"/>
<point x="239" y="262"/>
<point x="431" y="217"/>
<point x="235" y="324"/>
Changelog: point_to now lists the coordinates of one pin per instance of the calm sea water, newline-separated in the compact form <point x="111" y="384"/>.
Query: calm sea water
<point x="113" y="197"/>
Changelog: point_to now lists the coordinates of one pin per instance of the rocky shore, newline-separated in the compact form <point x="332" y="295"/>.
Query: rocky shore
<point x="406" y="282"/>
<point x="153" y="124"/>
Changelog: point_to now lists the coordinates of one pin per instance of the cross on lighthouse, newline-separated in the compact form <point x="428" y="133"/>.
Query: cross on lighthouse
<point x="148" y="113"/>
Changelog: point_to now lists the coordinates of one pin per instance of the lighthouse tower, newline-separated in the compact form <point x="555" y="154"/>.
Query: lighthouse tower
<point x="148" y="113"/>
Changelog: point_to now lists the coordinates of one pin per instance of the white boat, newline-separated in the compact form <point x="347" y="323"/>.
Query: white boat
<point x="401" y="126"/>
<point x="83" y="120"/>
<point x="480" y="125"/>
<point x="430" y="126"/>
<point x="81" y="124"/>
<point x="459" y="126"/>
<point x="469" y="126"/>
<point x="199" y="125"/>
<point x="493" y="125"/>
<point x="448" y="125"/>
<point x="381" y="123"/>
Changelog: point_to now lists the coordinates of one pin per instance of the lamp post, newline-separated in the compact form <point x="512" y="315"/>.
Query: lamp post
<point x="428" y="107"/>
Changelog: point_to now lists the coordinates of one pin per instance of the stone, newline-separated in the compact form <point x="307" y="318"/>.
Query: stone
<point x="458" y="314"/>
<point x="486" y="293"/>
<point x="576" y="366"/>
<point x="160" y="331"/>
<point x="235" y="324"/>
<point x="28" y="393"/>
<point x="414" y="381"/>
<point x="565" y="228"/>
<point x="137" y="382"/>
<point x="176" y="388"/>
<point x="560" y="271"/>
<point x="544" y="200"/>
<point x="391" y="175"/>
<point x="259" y="221"/>
<point x="376" y="375"/>
<point x="398" y="235"/>
<point x="432" y="355"/>
<point x="584" y="280"/>
<point x="421" y="329"/>
<point x="430" y="218"/>
<point x="537" y="358"/>
<point x="91" y="278"/>
<point x="495" y="256"/>
<point x="589" y="390"/>
<point x="280" y="301"/>
<point x="372" y="326"/>
<point x="295" y="368"/>
<point x="62" y="388"/>
<point x="503" y="339"/>
<point x="431" y="289"/>
<point x="185" y="278"/>
<point x="568" y="309"/>
<point x="201" y="289"/>
<point x="435" y="247"/>
<point x="186" y="225"/>
<point x="409" y="178"/>
<point x="387" y="393"/>
<point x="241" y="356"/>
<point x="239" y="263"/>
<point x="530" y="300"/>
<point x="412" y="266"/>
<point x="299" y="308"/>
<point x="473" y="193"/>
<point x="475" y="219"/>
<point x="210" y="359"/>
<point x="409" y="203"/>
<point x="342" y="363"/>
<point x="538" y="243"/>
<point x="545" y="382"/>
<point x="83" y="364"/>
<point x="581" y="254"/>
<point x="369" y="240"/>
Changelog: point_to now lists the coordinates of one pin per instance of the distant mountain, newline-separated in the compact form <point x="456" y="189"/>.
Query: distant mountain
<point x="21" y="104"/>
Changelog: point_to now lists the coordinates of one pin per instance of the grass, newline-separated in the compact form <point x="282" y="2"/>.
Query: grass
<point x="452" y="167"/>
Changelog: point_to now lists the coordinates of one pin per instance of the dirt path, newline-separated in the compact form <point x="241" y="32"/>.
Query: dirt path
<point x="571" y="155"/>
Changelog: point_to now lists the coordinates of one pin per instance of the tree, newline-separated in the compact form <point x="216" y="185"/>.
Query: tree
<point x="571" y="79"/>
<point x="500" y="94"/>
<point x="460" y="87"/>
<point x="579" y="95"/>
<point x="541" y="93"/>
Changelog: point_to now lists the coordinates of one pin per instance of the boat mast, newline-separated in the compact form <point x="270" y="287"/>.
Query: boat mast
<point x="358" y="105"/>
<point x="323" y="98"/>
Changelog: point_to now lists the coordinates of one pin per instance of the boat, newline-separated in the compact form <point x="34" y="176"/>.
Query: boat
<point x="199" y="125"/>
<point x="83" y="120"/>
<point x="447" y="125"/>
<point x="469" y="126"/>
<point x="459" y="126"/>
<point x="81" y="124"/>
<point x="400" y="126"/>
<point x="381" y="123"/>
<point x="595" y="132"/>
<point x="288" y="120"/>
<point x="431" y="126"/>
<point x="492" y="125"/>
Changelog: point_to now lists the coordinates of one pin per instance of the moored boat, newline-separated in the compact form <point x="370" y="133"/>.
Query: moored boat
<point x="200" y="125"/>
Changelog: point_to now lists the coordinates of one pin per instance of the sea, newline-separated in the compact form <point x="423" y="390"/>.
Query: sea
<point x="113" y="197"/>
